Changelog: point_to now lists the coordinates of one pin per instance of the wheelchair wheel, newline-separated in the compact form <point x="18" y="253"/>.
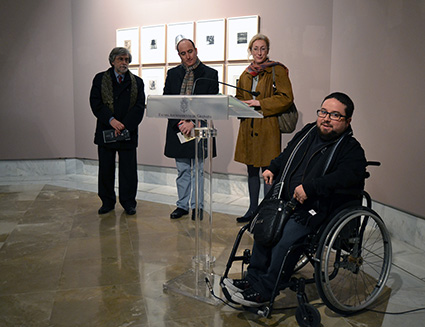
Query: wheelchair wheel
<point x="307" y="316"/>
<point x="354" y="260"/>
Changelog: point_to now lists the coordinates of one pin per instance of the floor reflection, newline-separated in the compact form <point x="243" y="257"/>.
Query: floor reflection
<point x="64" y="265"/>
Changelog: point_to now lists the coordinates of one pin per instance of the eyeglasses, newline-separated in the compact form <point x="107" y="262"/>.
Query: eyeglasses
<point x="125" y="59"/>
<point x="322" y="113"/>
<point x="262" y="49"/>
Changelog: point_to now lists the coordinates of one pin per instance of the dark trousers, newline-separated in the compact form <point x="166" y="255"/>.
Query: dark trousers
<point x="127" y="176"/>
<point x="265" y="264"/>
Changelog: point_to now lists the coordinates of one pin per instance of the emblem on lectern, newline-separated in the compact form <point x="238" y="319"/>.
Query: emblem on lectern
<point x="184" y="105"/>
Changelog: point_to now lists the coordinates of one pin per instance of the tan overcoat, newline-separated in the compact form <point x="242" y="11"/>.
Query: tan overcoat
<point x="259" y="139"/>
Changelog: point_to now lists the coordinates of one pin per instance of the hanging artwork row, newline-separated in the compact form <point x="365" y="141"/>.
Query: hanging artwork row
<point x="214" y="39"/>
<point x="222" y="43"/>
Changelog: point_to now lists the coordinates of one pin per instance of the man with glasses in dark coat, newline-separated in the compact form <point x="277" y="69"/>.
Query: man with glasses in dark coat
<point x="322" y="159"/>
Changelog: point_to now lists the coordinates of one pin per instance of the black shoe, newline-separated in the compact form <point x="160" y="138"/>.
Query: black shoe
<point x="130" y="211"/>
<point x="103" y="209"/>
<point x="249" y="298"/>
<point x="244" y="219"/>
<point x="236" y="285"/>
<point x="201" y="214"/>
<point x="179" y="212"/>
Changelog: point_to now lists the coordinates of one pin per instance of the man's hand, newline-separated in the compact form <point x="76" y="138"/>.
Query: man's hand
<point x="186" y="126"/>
<point x="299" y="194"/>
<point x="117" y="125"/>
<point x="268" y="177"/>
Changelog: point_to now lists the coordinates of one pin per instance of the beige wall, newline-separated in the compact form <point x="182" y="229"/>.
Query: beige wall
<point x="295" y="42"/>
<point x="373" y="50"/>
<point x="36" y="90"/>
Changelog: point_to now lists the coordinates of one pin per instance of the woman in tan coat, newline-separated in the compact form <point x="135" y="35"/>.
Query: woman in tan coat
<point x="259" y="139"/>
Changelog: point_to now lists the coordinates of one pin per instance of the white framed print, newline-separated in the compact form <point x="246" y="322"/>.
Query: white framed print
<point x="154" y="80"/>
<point x="220" y="69"/>
<point x="134" y="70"/>
<point x="176" y="32"/>
<point x="240" y="31"/>
<point x="129" y="38"/>
<point x="152" y="41"/>
<point x="210" y="39"/>
<point x="234" y="71"/>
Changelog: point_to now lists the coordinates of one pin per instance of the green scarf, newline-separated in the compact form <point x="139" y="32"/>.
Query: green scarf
<point x="108" y="94"/>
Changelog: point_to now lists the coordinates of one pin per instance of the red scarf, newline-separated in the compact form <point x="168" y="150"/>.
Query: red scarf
<point x="255" y="69"/>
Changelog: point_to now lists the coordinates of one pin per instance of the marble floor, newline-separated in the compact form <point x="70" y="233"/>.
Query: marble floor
<point x="61" y="264"/>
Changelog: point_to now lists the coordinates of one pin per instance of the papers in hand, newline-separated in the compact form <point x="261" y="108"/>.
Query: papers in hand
<point x="184" y="138"/>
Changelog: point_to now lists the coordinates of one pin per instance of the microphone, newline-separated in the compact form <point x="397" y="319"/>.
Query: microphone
<point x="253" y="93"/>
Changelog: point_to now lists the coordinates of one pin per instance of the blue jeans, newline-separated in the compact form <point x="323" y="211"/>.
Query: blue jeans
<point x="186" y="183"/>
<point x="265" y="264"/>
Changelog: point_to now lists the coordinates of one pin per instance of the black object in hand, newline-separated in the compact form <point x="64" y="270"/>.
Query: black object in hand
<point x="109" y="136"/>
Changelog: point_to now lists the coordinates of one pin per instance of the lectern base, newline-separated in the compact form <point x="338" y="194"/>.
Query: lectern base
<point x="194" y="285"/>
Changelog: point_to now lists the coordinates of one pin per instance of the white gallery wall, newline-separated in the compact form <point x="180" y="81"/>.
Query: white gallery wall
<point x="372" y="50"/>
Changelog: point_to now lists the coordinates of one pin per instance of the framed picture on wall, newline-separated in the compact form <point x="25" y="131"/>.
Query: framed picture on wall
<point x="176" y="32"/>
<point x="129" y="38"/>
<point x="172" y="66"/>
<point x="210" y="39"/>
<point x="240" y="31"/>
<point x="134" y="70"/>
<point x="152" y="40"/>
<point x="154" y="80"/>
<point x="220" y="69"/>
<point x="234" y="71"/>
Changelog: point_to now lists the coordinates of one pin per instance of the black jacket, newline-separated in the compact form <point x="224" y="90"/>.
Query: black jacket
<point x="130" y="117"/>
<point x="333" y="175"/>
<point x="173" y="82"/>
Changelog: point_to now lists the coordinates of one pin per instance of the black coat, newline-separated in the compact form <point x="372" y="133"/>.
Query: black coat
<point x="173" y="82"/>
<point x="327" y="190"/>
<point x="130" y="117"/>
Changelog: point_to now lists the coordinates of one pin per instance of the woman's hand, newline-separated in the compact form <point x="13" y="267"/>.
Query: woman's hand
<point x="252" y="103"/>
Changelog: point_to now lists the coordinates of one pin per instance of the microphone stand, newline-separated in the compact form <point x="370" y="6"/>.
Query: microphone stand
<point x="253" y="93"/>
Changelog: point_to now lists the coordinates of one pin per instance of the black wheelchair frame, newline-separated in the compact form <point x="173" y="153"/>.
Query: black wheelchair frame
<point x="351" y="255"/>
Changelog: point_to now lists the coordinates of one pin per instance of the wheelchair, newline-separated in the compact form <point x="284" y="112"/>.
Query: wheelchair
<point x="351" y="256"/>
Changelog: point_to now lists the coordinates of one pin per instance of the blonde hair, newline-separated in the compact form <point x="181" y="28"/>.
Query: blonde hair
<point x="257" y="37"/>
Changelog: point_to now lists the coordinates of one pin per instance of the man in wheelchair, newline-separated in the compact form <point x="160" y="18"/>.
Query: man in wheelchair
<point x="320" y="160"/>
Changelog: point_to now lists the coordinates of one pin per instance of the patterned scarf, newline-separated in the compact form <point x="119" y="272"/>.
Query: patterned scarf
<point x="188" y="79"/>
<point x="108" y="93"/>
<point x="255" y="69"/>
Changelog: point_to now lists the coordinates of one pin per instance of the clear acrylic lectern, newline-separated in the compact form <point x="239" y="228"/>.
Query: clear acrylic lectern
<point x="202" y="109"/>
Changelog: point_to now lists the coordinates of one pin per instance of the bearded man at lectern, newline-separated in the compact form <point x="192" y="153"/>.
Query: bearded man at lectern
<point x="180" y="145"/>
